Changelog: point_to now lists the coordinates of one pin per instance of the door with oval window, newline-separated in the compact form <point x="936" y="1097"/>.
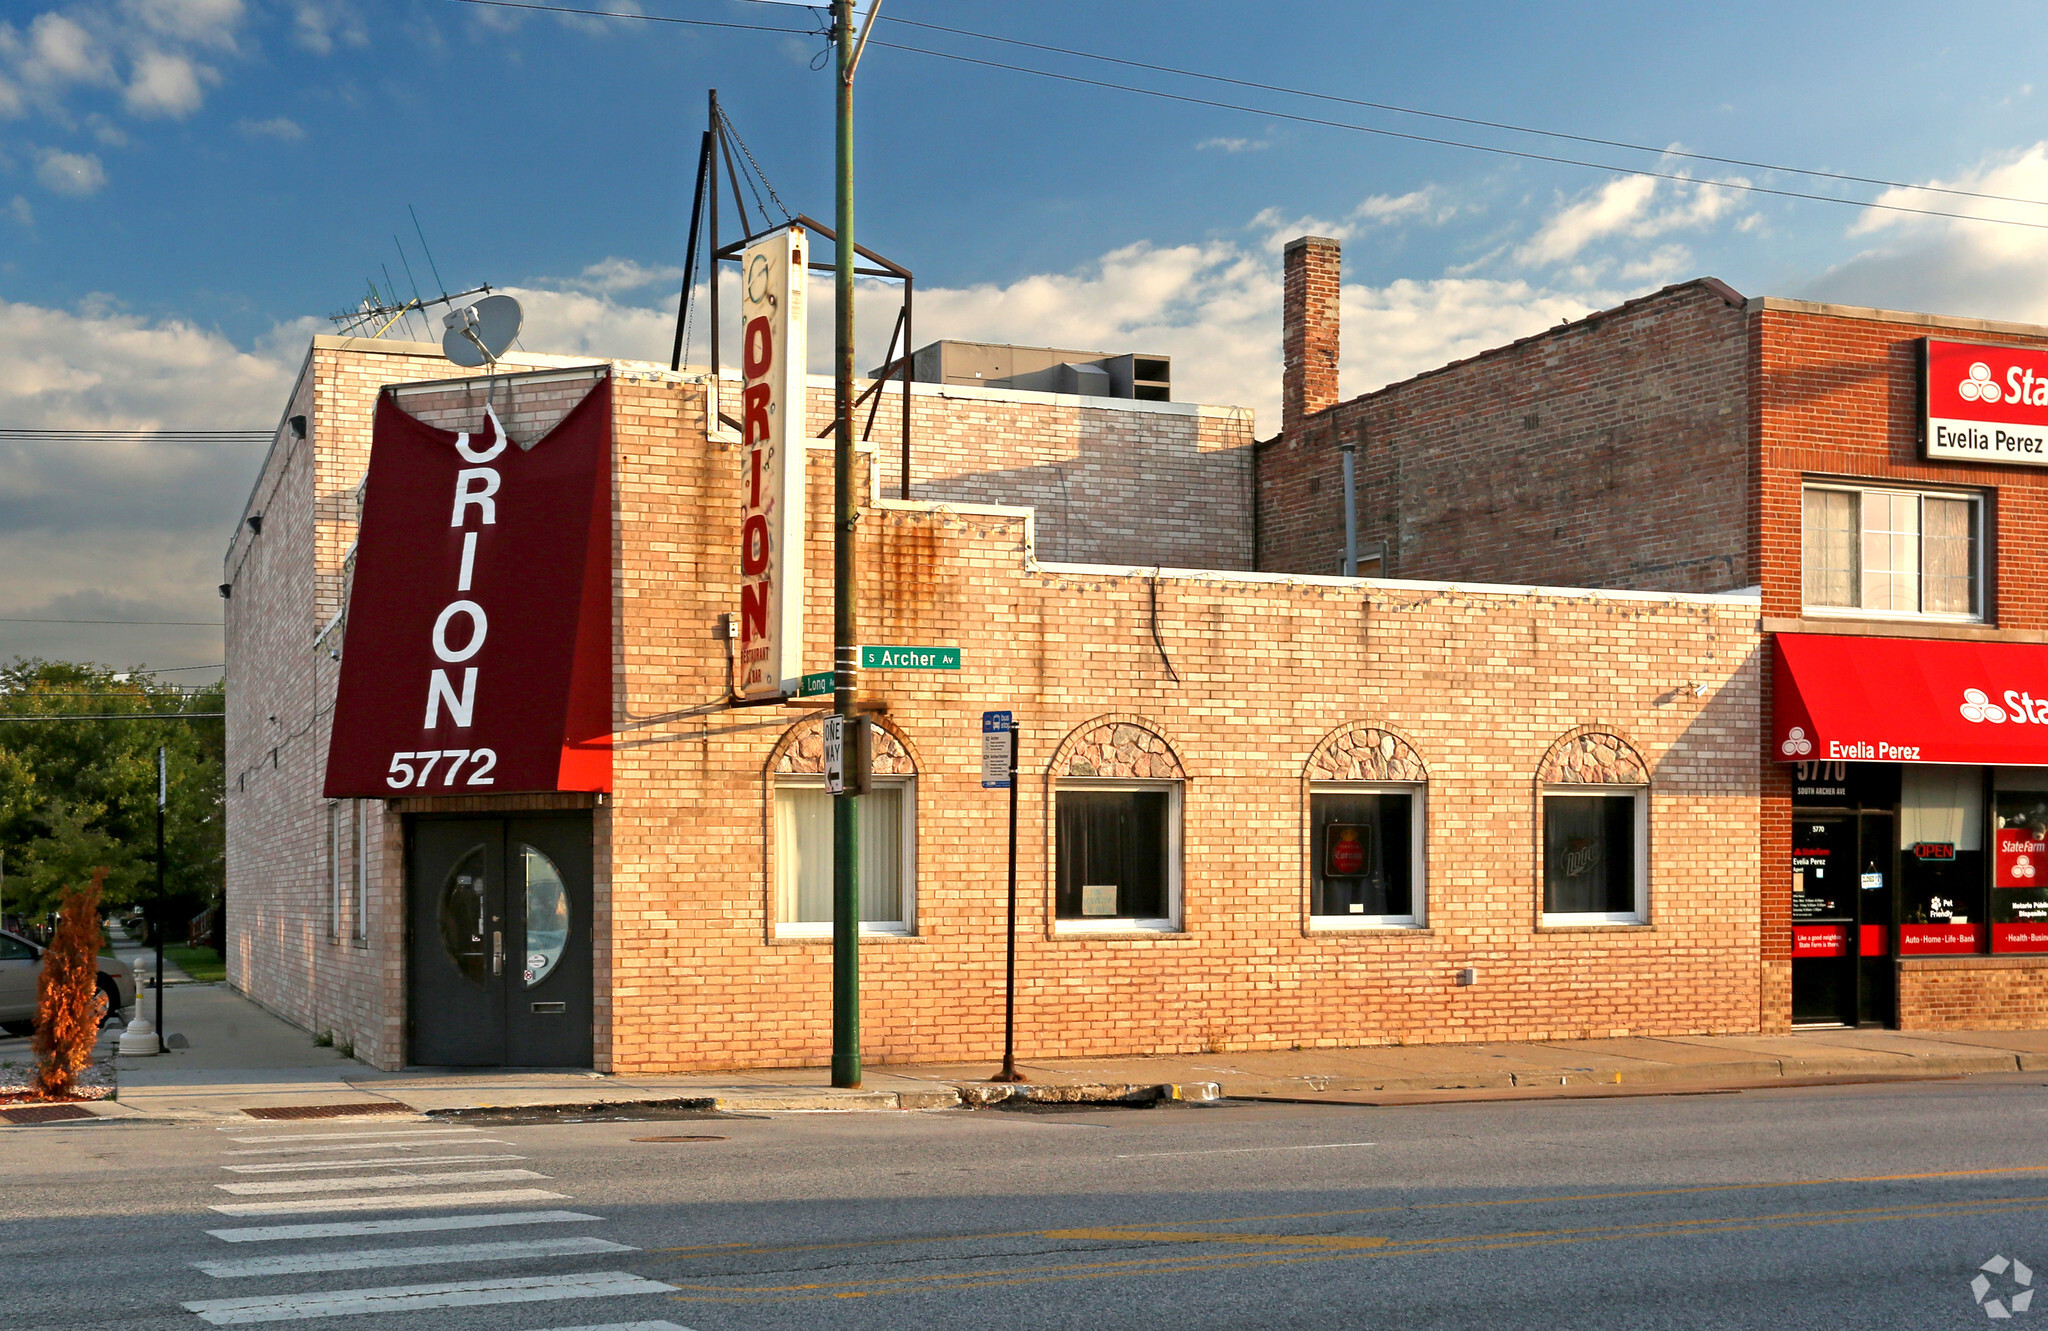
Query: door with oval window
<point x="500" y="956"/>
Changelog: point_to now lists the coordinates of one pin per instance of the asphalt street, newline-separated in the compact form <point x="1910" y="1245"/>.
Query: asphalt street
<point x="1824" y="1207"/>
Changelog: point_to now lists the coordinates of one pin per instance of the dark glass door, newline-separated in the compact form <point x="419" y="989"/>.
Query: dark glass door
<point x="500" y="956"/>
<point x="1825" y="908"/>
<point x="1877" y="860"/>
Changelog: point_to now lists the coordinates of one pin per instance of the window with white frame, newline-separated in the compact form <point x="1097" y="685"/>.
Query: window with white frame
<point x="1893" y="552"/>
<point x="334" y="833"/>
<point x="1366" y="844"/>
<point x="359" y="875"/>
<point x="803" y="856"/>
<point x="1118" y="855"/>
<point x="1596" y="854"/>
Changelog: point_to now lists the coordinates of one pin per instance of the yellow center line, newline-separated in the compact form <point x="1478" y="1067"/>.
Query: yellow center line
<point x="1331" y="1248"/>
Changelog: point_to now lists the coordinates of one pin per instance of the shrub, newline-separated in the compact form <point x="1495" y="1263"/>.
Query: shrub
<point x="68" y="1002"/>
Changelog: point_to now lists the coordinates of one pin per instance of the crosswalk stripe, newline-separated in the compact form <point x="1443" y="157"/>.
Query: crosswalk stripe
<point x="290" y="1166"/>
<point x="280" y="1186"/>
<point x="443" y="1145"/>
<point x="410" y="1298"/>
<point x="366" y="1259"/>
<point x="625" y="1326"/>
<point x="412" y="1224"/>
<point x="314" y="1205"/>
<point x="349" y="1136"/>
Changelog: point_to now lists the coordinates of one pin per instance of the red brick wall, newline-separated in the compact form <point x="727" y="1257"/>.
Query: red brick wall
<point x="1973" y="993"/>
<point x="1311" y="290"/>
<point x="1609" y="453"/>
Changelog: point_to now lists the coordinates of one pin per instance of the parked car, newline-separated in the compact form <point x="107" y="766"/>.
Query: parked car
<point x="21" y="966"/>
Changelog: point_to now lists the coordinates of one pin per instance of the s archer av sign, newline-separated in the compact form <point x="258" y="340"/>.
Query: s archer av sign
<point x="477" y="654"/>
<point x="1985" y="403"/>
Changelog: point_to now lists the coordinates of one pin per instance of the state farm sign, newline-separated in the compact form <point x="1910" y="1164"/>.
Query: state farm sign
<point x="477" y="654"/>
<point x="1985" y="403"/>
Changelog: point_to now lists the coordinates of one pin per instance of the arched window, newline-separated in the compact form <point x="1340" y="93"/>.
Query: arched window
<point x="803" y="836"/>
<point x="1366" y="815"/>
<point x="1117" y="794"/>
<point x="1594" y="830"/>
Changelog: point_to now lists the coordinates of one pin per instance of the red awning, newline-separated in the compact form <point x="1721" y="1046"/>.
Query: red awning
<point x="1909" y="700"/>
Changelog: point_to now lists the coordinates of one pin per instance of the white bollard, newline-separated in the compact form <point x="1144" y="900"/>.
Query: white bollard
<point x="139" y="1040"/>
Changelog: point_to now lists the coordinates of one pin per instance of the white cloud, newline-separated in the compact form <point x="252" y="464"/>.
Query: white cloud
<point x="1234" y="145"/>
<point x="18" y="209"/>
<point x="167" y="85"/>
<point x="77" y="175"/>
<point x="1958" y="265"/>
<point x="614" y="274"/>
<point x="1632" y="207"/>
<point x="320" y="26"/>
<point x="127" y="530"/>
<point x="1423" y="205"/>
<point x="89" y="43"/>
<point x="277" y="127"/>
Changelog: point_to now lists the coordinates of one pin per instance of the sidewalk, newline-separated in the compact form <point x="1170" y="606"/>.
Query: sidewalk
<point x="240" y="1057"/>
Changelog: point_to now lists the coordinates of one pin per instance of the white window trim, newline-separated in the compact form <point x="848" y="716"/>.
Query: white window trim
<point x="1418" y="868"/>
<point x="360" y="924"/>
<point x="334" y="871"/>
<point x="1978" y="589"/>
<point x="904" y="928"/>
<point x="1564" y="919"/>
<point x="1126" y="925"/>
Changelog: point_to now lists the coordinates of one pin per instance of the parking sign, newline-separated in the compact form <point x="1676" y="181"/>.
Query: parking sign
<point x="998" y="736"/>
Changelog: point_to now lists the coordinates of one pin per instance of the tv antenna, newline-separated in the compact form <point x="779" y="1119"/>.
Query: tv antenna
<point x="383" y="309"/>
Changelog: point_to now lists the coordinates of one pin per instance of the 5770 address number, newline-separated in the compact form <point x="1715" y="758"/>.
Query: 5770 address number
<point x="403" y="774"/>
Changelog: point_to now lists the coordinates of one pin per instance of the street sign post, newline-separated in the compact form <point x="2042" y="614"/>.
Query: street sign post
<point x="814" y="685"/>
<point x="879" y="657"/>
<point x="999" y="772"/>
<point x="835" y="754"/>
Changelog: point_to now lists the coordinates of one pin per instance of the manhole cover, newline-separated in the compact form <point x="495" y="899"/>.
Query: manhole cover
<point x="698" y="1137"/>
<point x="26" y="1114"/>
<point x="329" y="1111"/>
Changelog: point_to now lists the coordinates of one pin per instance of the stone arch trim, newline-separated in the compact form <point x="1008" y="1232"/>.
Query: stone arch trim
<point x="1593" y="755"/>
<point x="801" y="750"/>
<point x="1365" y="751"/>
<point x="1117" y="747"/>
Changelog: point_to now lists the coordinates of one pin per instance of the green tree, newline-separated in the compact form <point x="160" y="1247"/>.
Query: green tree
<point x="76" y="795"/>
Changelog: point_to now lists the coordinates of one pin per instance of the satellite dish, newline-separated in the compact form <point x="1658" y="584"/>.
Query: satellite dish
<point x="478" y="334"/>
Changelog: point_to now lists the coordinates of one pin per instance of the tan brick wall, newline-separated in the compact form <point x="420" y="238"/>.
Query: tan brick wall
<point x="1973" y="993"/>
<point x="1245" y="678"/>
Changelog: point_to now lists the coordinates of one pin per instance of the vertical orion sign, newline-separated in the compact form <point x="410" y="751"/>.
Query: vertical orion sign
<point x="772" y="476"/>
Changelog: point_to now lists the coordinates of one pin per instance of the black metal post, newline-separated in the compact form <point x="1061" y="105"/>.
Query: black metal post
<point x="163" y="790"/>
<point x="675" y="358"/>
<point x="1009" y="1072"/>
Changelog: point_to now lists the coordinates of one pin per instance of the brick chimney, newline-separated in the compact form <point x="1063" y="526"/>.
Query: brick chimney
<point x="1308" y="329"/>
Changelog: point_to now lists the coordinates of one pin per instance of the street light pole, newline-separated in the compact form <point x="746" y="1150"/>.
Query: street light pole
<point x="845" y="619"/>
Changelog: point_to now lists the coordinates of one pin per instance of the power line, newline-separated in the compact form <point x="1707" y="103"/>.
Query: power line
<point x="899" y="21"/>
<point x="26" y="434"/>
<point x="1439" y="141"/>
<point x="140" y="623"/>
<point x="119" y="716"/>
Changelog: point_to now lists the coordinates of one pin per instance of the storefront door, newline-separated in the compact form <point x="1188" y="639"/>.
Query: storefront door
<point x="499" y="955"/>
<point x="1844" y="876"/>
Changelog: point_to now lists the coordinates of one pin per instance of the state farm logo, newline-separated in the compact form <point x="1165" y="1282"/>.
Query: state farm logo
<point x="1978" y="387"/>
<point x="2023" y="867"/>
<point x="1977" y="707"/>
<point x="1796" y="743"/>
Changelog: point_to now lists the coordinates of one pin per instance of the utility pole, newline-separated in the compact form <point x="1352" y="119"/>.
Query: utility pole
<point x="163" y="798"/>
<point x="845" y="607"/>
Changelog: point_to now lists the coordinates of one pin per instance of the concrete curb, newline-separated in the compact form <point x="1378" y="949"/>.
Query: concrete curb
<point x="983" y="1095"/>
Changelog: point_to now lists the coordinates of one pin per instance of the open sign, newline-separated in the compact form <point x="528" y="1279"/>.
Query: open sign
<point x="1934" y="850"/>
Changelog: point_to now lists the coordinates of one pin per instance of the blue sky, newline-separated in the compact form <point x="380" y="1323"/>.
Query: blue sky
<point x="188" y="186"/>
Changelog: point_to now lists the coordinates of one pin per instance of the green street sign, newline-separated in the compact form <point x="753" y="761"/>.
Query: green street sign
<point x="910" y="658"/>
<point x="810" y="686"/>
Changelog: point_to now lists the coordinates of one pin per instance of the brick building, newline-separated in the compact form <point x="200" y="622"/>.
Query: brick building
<point x="1260" y="809"/>
<point x="1874" y="476"/>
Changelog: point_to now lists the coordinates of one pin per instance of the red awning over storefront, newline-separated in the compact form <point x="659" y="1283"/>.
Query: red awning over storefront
<point x="1909" y="700"/>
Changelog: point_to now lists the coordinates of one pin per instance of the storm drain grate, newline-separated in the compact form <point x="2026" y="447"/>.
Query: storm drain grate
<point x="27" y="1114"/>
<point x="330" y="1111"/>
